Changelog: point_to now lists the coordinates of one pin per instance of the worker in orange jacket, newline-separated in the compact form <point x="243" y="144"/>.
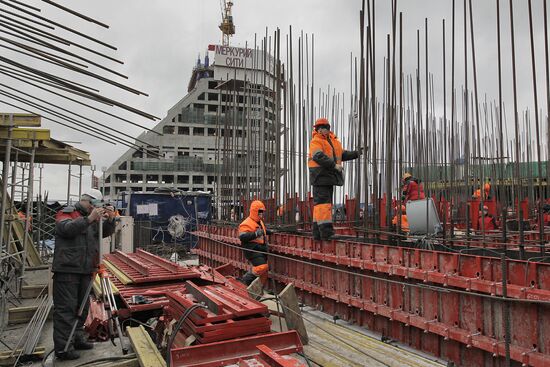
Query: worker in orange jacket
<point x="404" y="220"/>
<point x="325" y="171"/>
<point x="252" y="233"/>
<point x="486" y="190"/>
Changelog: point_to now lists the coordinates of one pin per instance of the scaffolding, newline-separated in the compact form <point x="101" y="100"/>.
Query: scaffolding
<point x="24" y="223"/>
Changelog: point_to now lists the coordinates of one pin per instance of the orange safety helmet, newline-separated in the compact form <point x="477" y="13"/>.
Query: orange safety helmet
<point x="321" y="121"/>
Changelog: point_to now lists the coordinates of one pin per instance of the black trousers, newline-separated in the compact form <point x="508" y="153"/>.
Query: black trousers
<point x="322" y="212"/>
<point x="68" y="292"/>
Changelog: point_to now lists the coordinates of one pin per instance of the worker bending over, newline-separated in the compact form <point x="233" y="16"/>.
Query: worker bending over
<point x="412" y="188"/>
<point x="75" y="259"/>
<point x="252" y="233"/>
<point x="486" y="222"/>
<point x="325" y="171"/>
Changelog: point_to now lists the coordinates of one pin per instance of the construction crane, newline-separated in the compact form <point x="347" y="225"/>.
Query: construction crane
<point x="226" y="26"/>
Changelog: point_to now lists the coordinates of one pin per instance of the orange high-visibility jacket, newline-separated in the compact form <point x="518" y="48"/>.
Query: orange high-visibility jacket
<point x="325" y="152"/>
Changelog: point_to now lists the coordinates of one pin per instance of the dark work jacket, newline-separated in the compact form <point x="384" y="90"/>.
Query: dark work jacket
<point x="77" y="241"/>
<point x="249" y="241"/>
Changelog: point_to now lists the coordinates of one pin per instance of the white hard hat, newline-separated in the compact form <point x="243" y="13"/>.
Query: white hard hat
<point x="94" y="194"/>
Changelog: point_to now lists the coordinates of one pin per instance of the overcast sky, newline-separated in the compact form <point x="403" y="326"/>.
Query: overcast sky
<point x="161" y="40"/>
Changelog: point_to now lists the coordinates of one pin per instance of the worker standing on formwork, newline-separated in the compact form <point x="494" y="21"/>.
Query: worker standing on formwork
<point x="75" y="259"/>
<point x="412" y="188"/>
<point x="253" y="236"/>
<point x="325" y="171"/>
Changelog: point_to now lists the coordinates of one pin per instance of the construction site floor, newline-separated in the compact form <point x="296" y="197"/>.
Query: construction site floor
<point x="336" y="344"/>
<point x="330" y="343"/>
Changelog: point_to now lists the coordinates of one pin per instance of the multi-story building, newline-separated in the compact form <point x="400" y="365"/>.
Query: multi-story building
<point x="211" y="140"/>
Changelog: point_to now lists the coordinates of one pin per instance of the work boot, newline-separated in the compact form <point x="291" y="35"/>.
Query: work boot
<point x="67" y="356"/>
<point x="83" y="345"/>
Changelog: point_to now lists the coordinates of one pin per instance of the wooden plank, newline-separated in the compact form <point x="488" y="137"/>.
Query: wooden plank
<point x="33" y="291"/>
<point x="117" y="272"/>
<point x="20" y="315"/>
<point x="20" y="119"/>
<point x="146" y="351"/>
<point x="26" y="134"/>
<point x="7" y="360"/>
<point x="293" y="314"/>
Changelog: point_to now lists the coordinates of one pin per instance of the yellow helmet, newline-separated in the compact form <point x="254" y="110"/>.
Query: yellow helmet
<point x="406" y="175"/>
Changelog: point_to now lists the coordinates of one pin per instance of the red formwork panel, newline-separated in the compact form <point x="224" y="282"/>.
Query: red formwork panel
<point x="462" y="327"/>
<point x="263" y="347"/>
<point x="144" y="267"/>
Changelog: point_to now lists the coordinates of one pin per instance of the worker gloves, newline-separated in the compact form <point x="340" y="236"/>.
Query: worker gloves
<point x="259" y="232"/>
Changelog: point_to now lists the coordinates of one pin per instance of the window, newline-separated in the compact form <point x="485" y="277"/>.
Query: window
<point x="212" y="85"/>
<point x="168" y="129"/>
<point x="136" y="178"/>
<point x="120" y="178"/>
<point x="212" y="108"/>
<point x="137" y="154"/>
<point x="150" y="189"/>
<point x="183" y="179"/>
<point x="123" y="166"/>
<point x="183" y="188"/>
<point x="211" y="132"/>
<point x="201" y="97"/>
<point x="198" y="179"/>
<point x="179" y="117"/>
<point x="198" y="131"/>
<point x="211" y="179"/>
<point x="152" y="178"/>
<point x="167" y="179"/>
<point x="183" y="130"/>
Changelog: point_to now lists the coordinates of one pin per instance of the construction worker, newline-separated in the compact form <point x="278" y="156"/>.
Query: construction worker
<point x="325" y="171"/>
<point x="412" y="188"/>
<point x="252" y="233"/>
<point x="404" y="221"/>
<point x="75" y="260"/>
<point x="486" y="190"/>
<point x="486" y="222"/>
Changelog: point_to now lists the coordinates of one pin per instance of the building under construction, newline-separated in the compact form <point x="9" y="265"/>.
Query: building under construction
<point x="212" y="134"/>
<point x="440" y="221"/>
